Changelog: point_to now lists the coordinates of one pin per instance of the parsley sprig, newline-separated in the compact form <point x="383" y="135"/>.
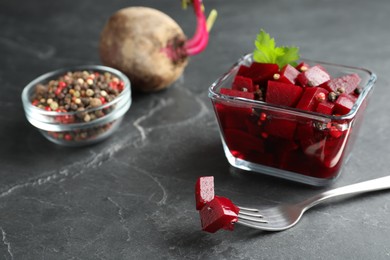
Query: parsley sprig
<point x="266" y="51"/>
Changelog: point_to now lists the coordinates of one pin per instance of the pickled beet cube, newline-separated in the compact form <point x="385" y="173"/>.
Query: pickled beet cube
<point x="309" y="136"/>
<point x="233" y="116"/>
<point x="335" y="132"/>
<point x="237" y="93"/>
<point x="258" y="72"/>
<point x="311" y="97"/>
<point x="348" y="83"/>
<point x="313" y="77"/>
<point x="280" y="93"/>
<point x="265" y="158"/>
<point x="304" y="131"/>
<point x="282" y="128"/>
<point x="333" y="151"/>
<point x="325" y="107"/>
<point x="253" y="127"/>
<point x="298" y="162"/>
<point x="243" y="84"/>
<point x="313" y="146"/>
<point x="243" y="71"/>
<point x="281" y="148"/>
<point x="343" y="104"/>
<point x="265" y="71"/>
<point x="204" y="191"/>
<point x="241" y="141"/>
<point x="288" y="74"/>
<point x="220" y="213"/>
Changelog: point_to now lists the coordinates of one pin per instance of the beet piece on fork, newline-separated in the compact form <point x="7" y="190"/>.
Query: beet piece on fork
<point x="215" y="212"/>
<point x="283" y="216"/>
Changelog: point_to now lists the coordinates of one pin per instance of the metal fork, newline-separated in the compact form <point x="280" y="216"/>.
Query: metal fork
<point x="286" y="216"/>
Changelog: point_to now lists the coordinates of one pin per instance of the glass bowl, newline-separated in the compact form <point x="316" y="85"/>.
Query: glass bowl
<point x="86" y="125"/>
<point x="293" y="144"/>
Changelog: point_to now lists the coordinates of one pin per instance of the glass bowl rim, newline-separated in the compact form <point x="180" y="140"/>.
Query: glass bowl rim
<point x="291" y="110"/>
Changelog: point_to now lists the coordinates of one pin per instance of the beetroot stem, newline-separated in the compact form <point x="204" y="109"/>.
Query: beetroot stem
<point x="199" y="41"/>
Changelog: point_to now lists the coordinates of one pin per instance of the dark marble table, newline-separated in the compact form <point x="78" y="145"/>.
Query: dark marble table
<point x="131" y="197"/>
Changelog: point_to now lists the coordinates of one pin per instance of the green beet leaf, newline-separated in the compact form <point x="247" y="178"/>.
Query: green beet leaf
<point x="266" y="51"/>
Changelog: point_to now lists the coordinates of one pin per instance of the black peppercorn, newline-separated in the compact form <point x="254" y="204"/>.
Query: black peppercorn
<point x="332" y="96"/>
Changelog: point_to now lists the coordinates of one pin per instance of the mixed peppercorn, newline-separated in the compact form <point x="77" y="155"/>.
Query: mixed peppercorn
<point x="81" y="92"/>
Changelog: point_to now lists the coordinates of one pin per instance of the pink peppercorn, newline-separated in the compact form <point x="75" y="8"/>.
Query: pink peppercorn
<point x="263" y="116"/>
<point x="60" y="87"/>
<point x="113" y="85"/>
<point x="121" y="85"/>
<point x="67" y="137"/>
<point x="61" y="84"/>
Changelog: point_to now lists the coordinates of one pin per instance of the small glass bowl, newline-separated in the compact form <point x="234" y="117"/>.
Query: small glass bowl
<point x="61" y="127"/>
<point x="289" y="143"/>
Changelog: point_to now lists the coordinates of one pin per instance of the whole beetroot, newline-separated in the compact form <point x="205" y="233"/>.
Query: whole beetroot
<point x="149" y="46"/>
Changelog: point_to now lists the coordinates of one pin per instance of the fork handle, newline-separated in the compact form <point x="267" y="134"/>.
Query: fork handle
<point x="357" y="188"/>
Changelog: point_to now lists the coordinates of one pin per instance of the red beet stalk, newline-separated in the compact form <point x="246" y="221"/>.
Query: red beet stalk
<point x="177" y="50"/>
<point x="199" y="41"/>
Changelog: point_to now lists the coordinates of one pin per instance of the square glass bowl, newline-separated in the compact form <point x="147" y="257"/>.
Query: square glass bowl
<point x="78" y="128"/>
<point x="293" y="144"/>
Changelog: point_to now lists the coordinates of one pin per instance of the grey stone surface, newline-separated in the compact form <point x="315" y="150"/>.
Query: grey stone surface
<point x="131" y="197"/>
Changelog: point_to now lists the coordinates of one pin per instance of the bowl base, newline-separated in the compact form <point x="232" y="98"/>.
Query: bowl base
<point x="89" y="141"/>
<point x="287" y="175"/>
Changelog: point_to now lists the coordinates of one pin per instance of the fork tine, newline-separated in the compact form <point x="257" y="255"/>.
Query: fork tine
<point x="254" y="218"/>
<point x="252" y="224"/>
<point x="250" y="212"/>
<point x="248" y="209"/>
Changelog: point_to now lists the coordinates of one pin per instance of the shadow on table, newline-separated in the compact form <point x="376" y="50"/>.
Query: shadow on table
<point x="22" y="144"/>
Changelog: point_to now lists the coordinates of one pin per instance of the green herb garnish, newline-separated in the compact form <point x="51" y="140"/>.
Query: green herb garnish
<point x="267" y="52"/>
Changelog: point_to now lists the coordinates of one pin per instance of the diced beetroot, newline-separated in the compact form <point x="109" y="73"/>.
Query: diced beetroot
<point x="333" y="151"/>
<point x="233" y="117"/>
<point x="304" y="131"/>
<point x="343" y="104"/>
<point x="298" y="162"/>
<point x="347" y="82"/>
<point x="281" y="148"/>
<point x="288" y="74"/>
<point x="282" y="128"/>
<point x="335" y="132"/>
<point x="243" y="71"/>
<point x="243" y="84"/>
<point x="265" y="72"/>
<point x="228" y="204"/>
<point x="325" y="107"/>
<point x="280" y="93"/>
<point x="259" y="72"/>
<point x="311" y="97"/>
<point x="253" y="126"/>
<point x="313" y="147"/>
<point x="265" y="158"/>
<point x="204" y="191"/>
<point x="313" y="77"/>
<point x="237" y="93"/>
<point x="241" y="141"/>
<point x="308" y="135"/>
<point x="303" y="66"/>
<point x="218" y="213"/>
